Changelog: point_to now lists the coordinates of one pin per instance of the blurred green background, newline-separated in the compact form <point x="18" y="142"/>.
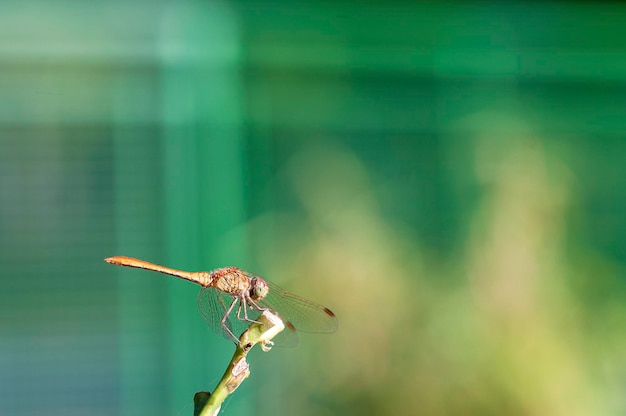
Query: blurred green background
<point x="449" y="178"/>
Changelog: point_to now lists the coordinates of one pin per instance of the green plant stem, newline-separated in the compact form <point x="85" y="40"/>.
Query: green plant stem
<point x="261" y="332"/>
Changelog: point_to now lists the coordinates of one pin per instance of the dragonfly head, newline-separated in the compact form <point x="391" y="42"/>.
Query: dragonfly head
<point x="258" y="289"/>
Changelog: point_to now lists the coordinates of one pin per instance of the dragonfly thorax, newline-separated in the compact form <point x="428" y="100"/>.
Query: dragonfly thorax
<point x="230" y="280"/>
<point x="258" y="288"/>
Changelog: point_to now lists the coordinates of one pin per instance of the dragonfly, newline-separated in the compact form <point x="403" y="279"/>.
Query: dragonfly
<point x="231" y="299"/>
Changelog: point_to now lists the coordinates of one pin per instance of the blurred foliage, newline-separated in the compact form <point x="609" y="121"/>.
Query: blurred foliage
<point x="447" y="177"/>
<point x="502" y="325"/>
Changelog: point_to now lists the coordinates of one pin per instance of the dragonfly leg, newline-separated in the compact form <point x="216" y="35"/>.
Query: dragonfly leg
<point x="239" y="313"/>
<point x="225" y="317"/>
<point x="245" y="313"/>
<point x="242" y="305"/>
<point x="256" y="306"/>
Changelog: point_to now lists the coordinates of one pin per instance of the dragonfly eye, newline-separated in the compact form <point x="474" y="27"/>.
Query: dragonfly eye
<point x="259" y="289"/>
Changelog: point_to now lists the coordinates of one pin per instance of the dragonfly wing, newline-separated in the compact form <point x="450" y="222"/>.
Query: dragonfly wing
<point x="288" y="337"/>
<point x="213" y="305"/>
<point x="302" y="314"/>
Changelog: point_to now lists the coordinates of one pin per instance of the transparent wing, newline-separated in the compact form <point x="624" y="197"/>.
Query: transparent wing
<point x="213" y="305"/>
<point x="302" y="314"/>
